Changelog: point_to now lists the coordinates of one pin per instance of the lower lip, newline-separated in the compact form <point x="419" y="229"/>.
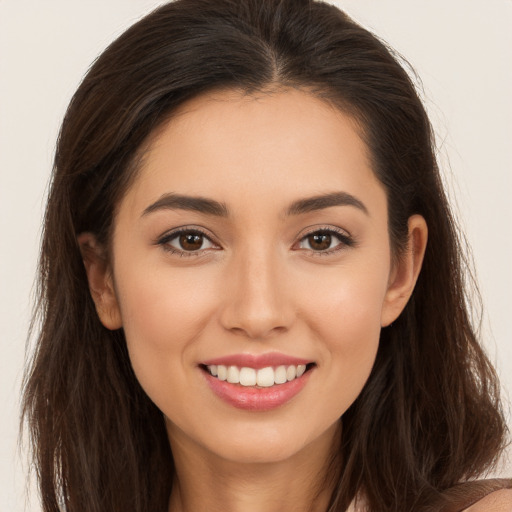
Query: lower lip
<point x="257" y="399"/>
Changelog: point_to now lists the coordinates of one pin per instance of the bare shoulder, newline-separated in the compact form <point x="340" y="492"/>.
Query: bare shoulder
<point x="497" y="501"/>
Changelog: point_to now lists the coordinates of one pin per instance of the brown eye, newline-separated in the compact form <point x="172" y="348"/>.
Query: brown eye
<point x="320" y="241"/>
<point x="188" y="242"/>
<point x="191" y="241"/>
<point x="325" y="241"/>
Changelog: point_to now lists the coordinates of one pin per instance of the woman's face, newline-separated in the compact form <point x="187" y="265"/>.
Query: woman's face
<point x="252" y="243"/>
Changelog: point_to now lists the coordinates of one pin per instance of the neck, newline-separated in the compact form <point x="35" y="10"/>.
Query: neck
<point x="205" y="481"/>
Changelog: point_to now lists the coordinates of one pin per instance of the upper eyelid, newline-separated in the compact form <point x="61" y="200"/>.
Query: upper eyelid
<point x="323" y="228"/>
<point x="310" y="230"/>
<point x="172" y="233"/>
<point x="164" y="241"/>
<point x="345" y="238"/>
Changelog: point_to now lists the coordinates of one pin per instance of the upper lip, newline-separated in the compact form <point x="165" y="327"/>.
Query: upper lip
<point x="256" y="361"/>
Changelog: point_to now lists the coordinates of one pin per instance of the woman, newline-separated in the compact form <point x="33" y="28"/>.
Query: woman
<point x="252" y="293"/>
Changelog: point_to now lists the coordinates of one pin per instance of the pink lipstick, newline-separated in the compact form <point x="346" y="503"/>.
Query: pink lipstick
<point x="257" y="382"/>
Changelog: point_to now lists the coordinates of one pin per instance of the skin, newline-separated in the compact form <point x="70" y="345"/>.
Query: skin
<point x="499" y="501"/>
<point x="256" y="285"/>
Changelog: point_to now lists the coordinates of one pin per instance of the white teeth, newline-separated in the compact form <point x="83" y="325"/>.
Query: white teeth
<point x="248" y="376"/>
<point x="233" y="375"/>
<point x="280" y="375"/>
<point x="264" y="377"/>
<point x="291" y="373"/>
<point x="222" y="372"/>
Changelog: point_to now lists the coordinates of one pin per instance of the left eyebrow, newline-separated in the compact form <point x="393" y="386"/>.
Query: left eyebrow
<point x="322" y="201"/>
<point x="190" y="203"/>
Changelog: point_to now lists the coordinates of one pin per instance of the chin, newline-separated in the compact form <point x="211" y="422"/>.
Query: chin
<point x="265" y="444"/>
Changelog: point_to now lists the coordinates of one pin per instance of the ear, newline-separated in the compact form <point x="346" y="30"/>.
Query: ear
<point x="101" y="283"/>
<point x="405" y="271"/>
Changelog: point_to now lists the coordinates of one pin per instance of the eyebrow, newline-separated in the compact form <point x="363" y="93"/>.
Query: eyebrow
<point x="322" y="201"/>
<point x="190" y="203"/>
<point x="211" y="207"/>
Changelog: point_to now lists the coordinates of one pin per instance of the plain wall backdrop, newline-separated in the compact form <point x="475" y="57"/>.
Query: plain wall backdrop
<point x="462" y="50"/>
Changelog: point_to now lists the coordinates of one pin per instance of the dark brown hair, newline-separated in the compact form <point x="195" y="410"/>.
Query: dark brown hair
<point x="429" y="415"/>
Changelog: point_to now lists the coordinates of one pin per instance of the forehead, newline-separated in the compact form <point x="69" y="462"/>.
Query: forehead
<point x="237" y="147"/>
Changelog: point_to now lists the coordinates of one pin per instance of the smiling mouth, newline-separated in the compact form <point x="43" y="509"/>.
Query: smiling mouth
<point x="262" y="377"/>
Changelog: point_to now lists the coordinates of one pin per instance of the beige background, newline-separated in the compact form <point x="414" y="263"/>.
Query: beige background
<point x="462" y="49"/>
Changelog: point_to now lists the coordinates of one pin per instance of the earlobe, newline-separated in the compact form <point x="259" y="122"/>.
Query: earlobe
<point x="405" y="271"/>
<point x="101" y="284"/>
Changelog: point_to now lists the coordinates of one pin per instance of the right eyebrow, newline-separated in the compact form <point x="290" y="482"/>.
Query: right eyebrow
<point x="322" y="201"/>
<point x="191" y="203"/>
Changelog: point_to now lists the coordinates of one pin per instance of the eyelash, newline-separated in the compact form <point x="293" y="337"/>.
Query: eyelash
<point x="165" y="240"/>
<point x="345" y="240"/>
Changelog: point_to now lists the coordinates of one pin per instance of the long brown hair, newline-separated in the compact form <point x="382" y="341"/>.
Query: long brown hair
<point x="429" y="415"/>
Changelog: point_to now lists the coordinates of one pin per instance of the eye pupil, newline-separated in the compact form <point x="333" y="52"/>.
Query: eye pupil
<point x="191" y="241"/>
<point x="320" y="241"/>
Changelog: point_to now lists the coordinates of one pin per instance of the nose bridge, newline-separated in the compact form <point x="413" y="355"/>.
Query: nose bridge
<point x="257" y="304"/>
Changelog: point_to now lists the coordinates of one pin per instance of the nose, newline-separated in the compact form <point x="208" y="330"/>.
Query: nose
<point x="257" y="302"/>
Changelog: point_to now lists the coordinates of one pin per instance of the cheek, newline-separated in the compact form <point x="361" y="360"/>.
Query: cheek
<point x="165" y="304"/>
<point x="346" y="319"/>
<point x="346" y="305"/>
<point x="163" y="313"/>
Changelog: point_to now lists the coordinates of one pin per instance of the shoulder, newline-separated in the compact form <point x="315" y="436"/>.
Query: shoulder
<point x="497" y="501"/>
